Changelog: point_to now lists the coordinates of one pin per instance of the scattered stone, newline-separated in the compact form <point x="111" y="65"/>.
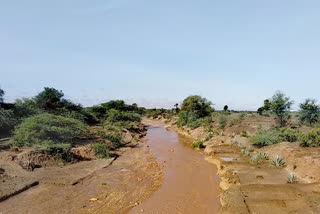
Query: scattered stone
<point x="93" y="200"/>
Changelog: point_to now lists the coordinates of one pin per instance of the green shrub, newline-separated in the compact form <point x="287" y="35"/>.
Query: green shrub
<point x="36" y="130"/>
<point x="292" y="178"/>
<point x="278" y="161"/>
<point x="101" y="150"/>
<point x="198" y="144"/>
<point x="311" y="139"/>
<point x="263" y="155"/>
<point x="192" y="120"/>
<point x="255" y="159"/>
<point x="195" y="111"/>
<point x="223" y="120"/>
<point x="116" y="116"/>
<point x="60" y="151"/>
<point x="209" y="136"/>
<point x="7" y="120"/>
<point x="266" y="137"/>
<point x="309" y="112"/>
<point x="288" y="134"/>
<point x="259" y="157"/>
<point x="24" y="108"/>
<point x="245" y="152"/>
<point x="111" y="133"/>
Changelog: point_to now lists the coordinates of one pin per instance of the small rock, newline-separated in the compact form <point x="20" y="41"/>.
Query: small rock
<point x="142" y="210"/>
<point x="171" y="150"/>
<point x="93" y="200"/>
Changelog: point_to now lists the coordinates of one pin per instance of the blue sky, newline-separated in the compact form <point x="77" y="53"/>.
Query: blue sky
<point x="156" y="53"/>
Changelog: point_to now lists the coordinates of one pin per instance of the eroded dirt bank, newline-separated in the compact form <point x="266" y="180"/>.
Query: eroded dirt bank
<point x="248" y="187"/>
<point x="132" y="178"/>
<point x="190" y="185"/>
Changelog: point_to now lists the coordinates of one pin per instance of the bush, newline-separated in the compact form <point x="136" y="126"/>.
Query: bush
<point x="311" y="139"/>
<point x="309" y="112"/>
<point x="195" y="111"/>
<point x="198" y="144"/>
<point x="278" y="161"/>
<point x="101" y="150"/>
<point x="265" y="137"/>
<point x="223" y="120"/>
<point x="115" y="116"/>
<point x="292" y="178"/>
<point x="24" y="108"/>
<point x="280" y="105"/>
<point x="111" y="133"/>
<point x="197" y="104"/>
<point x="209" y="136"/>
<point x="7" y="120"/>
<point x="192" y="120"/>
<point x="288" y="134"/>
<point x="36" y="130"/>
<point x="60" y="151"/>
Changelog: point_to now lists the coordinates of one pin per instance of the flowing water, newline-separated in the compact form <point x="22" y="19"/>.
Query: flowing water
<point x="190" y="183"/>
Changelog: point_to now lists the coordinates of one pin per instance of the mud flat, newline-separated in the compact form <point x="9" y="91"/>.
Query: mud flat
<point x="190" y="184"/>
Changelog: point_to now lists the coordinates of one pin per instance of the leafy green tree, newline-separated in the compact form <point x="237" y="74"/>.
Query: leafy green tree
<point x="115" y="104"/>
<point x="266" y="107"/>
<point x="24" y="107"/>
<point x="197" y="104"/>
<point x="176" y="108"/>
<point x="309" y="111"/>
<point x="193" y="111"/>
<point x="49" y="99"/>
<point x="280" y="105"/>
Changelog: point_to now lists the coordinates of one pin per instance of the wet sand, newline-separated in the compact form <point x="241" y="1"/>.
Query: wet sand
<point x="190" y="184"/>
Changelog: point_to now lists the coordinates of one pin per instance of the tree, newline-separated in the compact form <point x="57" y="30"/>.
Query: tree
<point x="49" y="99"/>
<point x="177" y="108"/>
<point x="197" y="104"/>
<point x="280" y="105"/>
<point x="266" y="107"/>
<point x="1" y="95"/>
<point x="225" y="108"/>
<point x="309" y="111"/>
<point x="115" y="104"/>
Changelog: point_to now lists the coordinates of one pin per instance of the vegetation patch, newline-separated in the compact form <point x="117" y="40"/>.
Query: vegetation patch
<point x="278" y="161"/>
<point x="311" y="139"/>
<point x="198" y="144"/>
<point x="265" y="137"/>
<point x="41" y="128"/>
<point x="101" y="150"/>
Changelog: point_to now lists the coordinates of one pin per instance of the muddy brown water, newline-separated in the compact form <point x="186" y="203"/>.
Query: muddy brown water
<point x="190" y="185"/>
